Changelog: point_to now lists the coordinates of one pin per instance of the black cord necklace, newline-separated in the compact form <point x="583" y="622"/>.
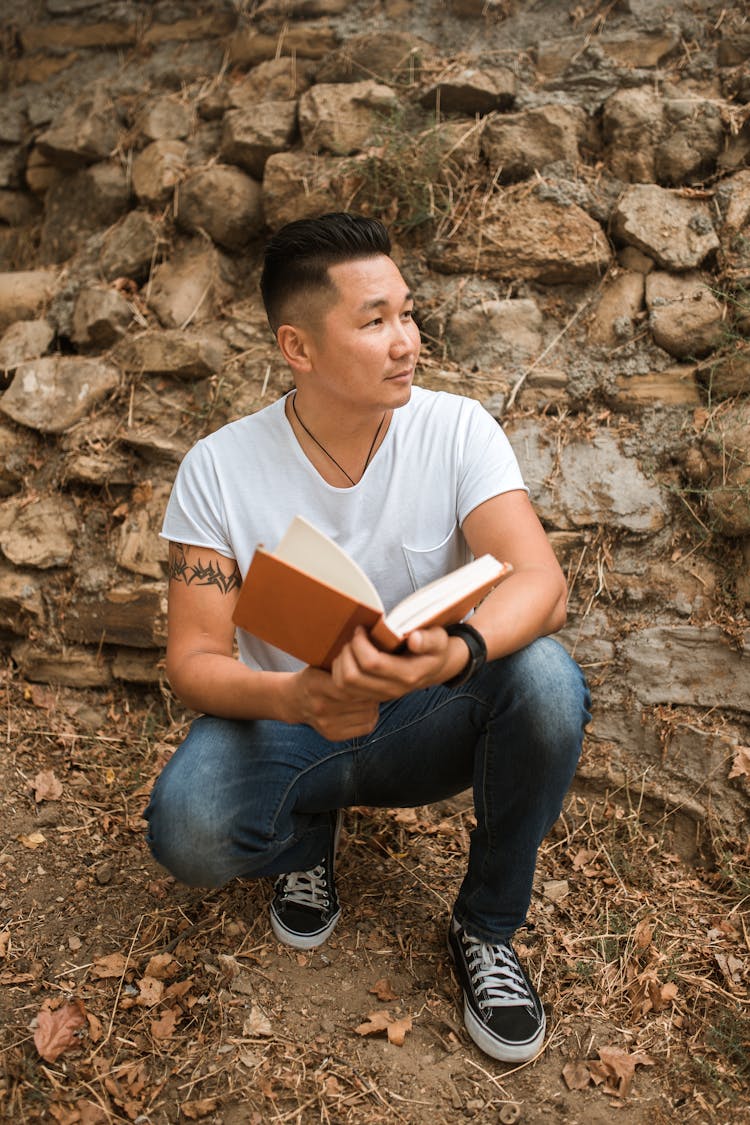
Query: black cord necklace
<point x="330" y="455"/>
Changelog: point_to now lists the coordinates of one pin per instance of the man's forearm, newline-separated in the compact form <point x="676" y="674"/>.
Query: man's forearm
<point x="221" y="685"/>
<point x="529" y="604"/>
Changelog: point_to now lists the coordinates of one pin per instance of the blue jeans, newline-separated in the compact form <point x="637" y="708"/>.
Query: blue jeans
<point x="252" y="798"/>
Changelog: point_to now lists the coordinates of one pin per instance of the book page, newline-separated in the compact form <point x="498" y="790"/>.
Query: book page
<point x="428" y="601"/>
<point x="311" y="551"/>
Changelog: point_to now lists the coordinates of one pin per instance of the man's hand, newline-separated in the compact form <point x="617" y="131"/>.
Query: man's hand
<point x="431" y="657"/>
<point x="337" y="713"/>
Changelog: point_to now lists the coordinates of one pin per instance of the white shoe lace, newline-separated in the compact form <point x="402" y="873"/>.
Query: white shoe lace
<point x="307" y="888"/>
<point x="495" y="975"/>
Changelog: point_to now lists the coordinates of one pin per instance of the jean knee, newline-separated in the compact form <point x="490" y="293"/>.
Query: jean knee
<point x="186" y="836"/>
<point x="552" y="690"/>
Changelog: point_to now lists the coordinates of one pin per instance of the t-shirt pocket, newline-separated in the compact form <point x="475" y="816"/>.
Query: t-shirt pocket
<point x="427" y="563"/>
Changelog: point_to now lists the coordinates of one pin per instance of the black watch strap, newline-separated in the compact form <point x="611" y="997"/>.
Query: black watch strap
<point x="477" y="652"/>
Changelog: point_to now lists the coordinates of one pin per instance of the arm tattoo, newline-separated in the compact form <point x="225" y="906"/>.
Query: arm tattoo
<point x="196" y="573"/>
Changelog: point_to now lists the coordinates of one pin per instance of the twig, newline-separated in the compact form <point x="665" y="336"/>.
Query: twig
<point x="520" y="381"/>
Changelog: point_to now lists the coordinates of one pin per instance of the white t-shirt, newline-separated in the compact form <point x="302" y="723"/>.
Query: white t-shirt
<point x="441" y="457"/>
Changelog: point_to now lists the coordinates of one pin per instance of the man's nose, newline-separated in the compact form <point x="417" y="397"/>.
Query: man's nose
<point x="403" y="340"/>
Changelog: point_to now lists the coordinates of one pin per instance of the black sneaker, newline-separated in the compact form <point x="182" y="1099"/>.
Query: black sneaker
<point x="502" y="1012"/>
<point x="305" y="906"/>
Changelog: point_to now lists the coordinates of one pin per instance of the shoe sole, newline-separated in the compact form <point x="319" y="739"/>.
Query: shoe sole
<point x="487" y="1042"/>
<point x="303" y="941"/>
<point x="309" y="941"/>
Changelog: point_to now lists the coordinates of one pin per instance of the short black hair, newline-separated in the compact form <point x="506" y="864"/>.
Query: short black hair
<point x="298" y="257"/>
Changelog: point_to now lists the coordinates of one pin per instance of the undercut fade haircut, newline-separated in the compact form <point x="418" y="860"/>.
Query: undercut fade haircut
<point x="298" y="257"/>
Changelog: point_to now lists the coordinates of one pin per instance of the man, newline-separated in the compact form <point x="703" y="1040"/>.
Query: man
<point x="410" y="483"/>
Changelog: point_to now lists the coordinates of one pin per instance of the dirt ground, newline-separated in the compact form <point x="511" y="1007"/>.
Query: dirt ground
<point x="125" y="997"/>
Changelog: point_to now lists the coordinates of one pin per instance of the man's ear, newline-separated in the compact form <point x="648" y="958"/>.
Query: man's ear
<point x="294" y="346"/>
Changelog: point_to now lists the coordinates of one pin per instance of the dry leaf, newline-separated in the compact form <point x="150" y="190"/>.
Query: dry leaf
<point x="257" y="1023"/>
<point x="5" y="944"/>
<point x="40" y="697"/>
<point x="556" y="890"/>
<point x="397" y="1030"/>
<point x="382" y="989"/>
<point x="163" y="1028"/>
<point x="34" y="840"/>
<point x="151" y="992"/>
<point x="113" y="965"/>
<point x="161" y="966"/>
<point x="95" y="1027"/>
<point x="64" y="1114"/>
<point x="56" y="1031"/>
<point x="332" y="1088"/>
<point x="383" y="1021"/>
<point x="91" y="1114"/>
<point x="643" y="933"/>
<point x="577" y="1075"/>
<point x="47" y="787"/>
<point x="201" y="1108"/>
<point x="741" y="763"/>
<point x="621" y="1067"/>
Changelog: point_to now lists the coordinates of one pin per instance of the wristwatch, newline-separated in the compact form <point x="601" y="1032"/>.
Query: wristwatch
<point x="477" y="652"/>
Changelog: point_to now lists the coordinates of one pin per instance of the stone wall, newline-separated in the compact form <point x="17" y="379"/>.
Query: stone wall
<point x="570" y="199"/>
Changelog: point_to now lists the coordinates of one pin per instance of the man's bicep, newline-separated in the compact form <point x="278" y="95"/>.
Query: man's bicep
<point x="508" y="527"/>
<point x="203" y="589"/>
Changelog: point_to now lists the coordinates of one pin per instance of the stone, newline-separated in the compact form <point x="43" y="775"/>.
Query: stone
<point x="472" y="90"/>
<point x="18" y="208"/>
<point x="305" y="41"/>
<point x="224" y="202"/>
<point x="299" y="186"/>
<point x="386" y="56"/>
<point x="632" y="125"/>
<point x="628" y="49"/>
<point x="165" y="118"/>
<point x="734" y="196"/>
<point x="526" y="237"/>
<point x="13" y="126"/>
<point x="40" y="174"/>
<point x="101" y="467"/>
<point x="129" y="247"/>
<point x="343" y="119"/>
<point x="12" y="162"/>
<point x="186" y="354"/>
<point x="479" y="8"/>
<point x="40" y="533"/>
<point x="249" y="138"/>
<point x="725" y="447"/>
<point x="80" y="204"/>
<point x="276" y="80"/>
<point x="24" y="294"/>
<point x="613" y="320"/>
<point x="675" y="386"/>
<point x="17" y="449"/>
<point x="586" y="484"/>
<point x="21" y="604"/>
<point x="139" y="547"/>
<point x="84" y="133"/>
<point x="685" y="317"/>
<point x="675" y="231"/>
<point x="734" y="48"/>
<point x="693" y="137"/>
<point x="689" y="665"/>
<point x="496" y="331"/>
<point x="188" y="287"/>
<point x="727" y="372"/>
<point x="517" y="144"/>
<point x="162" y="422"/>
<point x="51" y="393"/>
<point x="157" y="169"/>
<point x="133" y="614"/>
<point x="138" y="666"/>
<point x="100" y="318"/>
<point x="632" y="259"/>
<point x="24" y="340"/>
<point x="70" y="666"/>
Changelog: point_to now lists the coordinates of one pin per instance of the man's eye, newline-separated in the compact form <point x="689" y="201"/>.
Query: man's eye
<point x="377" y="320"/>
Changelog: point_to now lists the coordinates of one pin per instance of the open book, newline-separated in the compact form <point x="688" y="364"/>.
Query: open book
<point x="308" y="597"/>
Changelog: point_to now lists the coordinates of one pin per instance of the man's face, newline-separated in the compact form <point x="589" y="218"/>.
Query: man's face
<point x="366" y="348"/>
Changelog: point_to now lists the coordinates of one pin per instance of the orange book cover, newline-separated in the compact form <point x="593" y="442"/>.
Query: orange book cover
<point x="309" y="596"/>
